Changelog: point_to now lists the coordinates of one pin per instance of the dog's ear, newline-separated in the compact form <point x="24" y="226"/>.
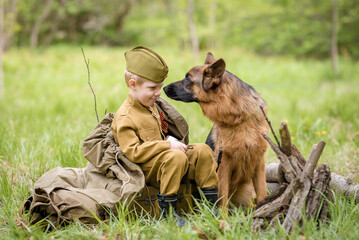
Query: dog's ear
<point x="209" y="58"/>
<point x="212" y="75"/>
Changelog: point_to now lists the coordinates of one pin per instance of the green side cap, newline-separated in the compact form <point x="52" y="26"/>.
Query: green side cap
<point x="146" y="63"/>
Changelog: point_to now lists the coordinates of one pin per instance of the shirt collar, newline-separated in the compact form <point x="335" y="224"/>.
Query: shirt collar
<point x="135" y="103"/>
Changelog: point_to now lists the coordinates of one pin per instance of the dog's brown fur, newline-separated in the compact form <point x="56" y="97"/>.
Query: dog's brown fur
<point x="234" y="107"/>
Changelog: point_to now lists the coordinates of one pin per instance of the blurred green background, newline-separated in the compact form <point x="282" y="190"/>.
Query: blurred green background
<point x="268" y="27"/>
<point x="301" y="56"/>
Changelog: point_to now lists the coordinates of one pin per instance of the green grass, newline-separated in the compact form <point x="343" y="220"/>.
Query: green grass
<point x="48" y="109"/>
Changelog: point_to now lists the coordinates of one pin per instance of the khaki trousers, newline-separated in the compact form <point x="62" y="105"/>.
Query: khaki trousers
<point x="167" y="169"/>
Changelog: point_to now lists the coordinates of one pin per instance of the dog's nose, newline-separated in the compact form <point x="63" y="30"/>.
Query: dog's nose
<point x="166" y="89"/>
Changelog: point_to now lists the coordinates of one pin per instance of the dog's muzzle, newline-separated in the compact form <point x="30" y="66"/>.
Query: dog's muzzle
<point x="179" y="94"/>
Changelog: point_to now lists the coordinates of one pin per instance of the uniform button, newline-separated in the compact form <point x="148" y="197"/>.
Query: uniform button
<point x="154" y="114"/>
<point x="148" y="138"/>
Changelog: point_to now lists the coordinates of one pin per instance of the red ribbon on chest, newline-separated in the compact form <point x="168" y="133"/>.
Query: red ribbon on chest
<point x="164" y="124"/>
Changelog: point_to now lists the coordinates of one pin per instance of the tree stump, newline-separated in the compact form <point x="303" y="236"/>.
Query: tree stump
<point x="303" y="190"/>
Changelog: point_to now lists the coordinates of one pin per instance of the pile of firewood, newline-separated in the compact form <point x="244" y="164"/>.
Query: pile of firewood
<point x="300" y="189"/>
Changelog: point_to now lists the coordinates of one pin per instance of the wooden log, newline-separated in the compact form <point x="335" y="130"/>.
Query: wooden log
<point x="286" y="141"/>
<point x="298" y="156"/>
<point x="289" y="172"/>
<point x="272" y="187"/>
<point x="274" y="195"/>
<point x="272" y="172"/>
<point x="319" y="193"/>
<point x="337" y="182"/>
<point x="279" y="204"/>
<point x="313" y="160"/>
<point x="274" y="147"/>
<point x="298" y="201"/>
<point x="297" y="169"/>
<point x="281" y="174"/>
<point x="344" y="185"/>
<point x="276" y="219"/>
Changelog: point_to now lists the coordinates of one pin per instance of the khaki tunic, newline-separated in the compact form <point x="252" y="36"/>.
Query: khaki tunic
<point x="137" y="130"/>
<point x="89" y="194"/>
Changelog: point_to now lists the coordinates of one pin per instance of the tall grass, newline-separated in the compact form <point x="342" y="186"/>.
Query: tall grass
<point x="48" y="110"/>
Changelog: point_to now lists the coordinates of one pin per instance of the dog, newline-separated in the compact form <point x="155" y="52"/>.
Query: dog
<point x="237" y="111"/>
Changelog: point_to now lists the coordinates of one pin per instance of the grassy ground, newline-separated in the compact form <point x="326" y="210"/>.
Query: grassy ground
<point x="48" y="109"/>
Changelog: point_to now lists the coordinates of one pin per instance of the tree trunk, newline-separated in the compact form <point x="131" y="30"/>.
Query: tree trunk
<point x="212" y="14"/>
<point x="35" y="31"/>
<point x="192" y="29"/>
<point x="212" y="25"/>
<point x="173" y="17"/>
<point x="2" y="18"/>
<point x="122" y="13"/>
<point x="334" y="46"/>
<point x="55" y="25"/>
<point x="54" y="28"/>
<point x="10" y="13"/>
<point x="2" y="91"/>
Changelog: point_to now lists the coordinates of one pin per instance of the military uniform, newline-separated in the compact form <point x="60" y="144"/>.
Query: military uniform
<point x="137" y="129"/>
<point x="86" y="194"/>
<point x="140" y="133"/>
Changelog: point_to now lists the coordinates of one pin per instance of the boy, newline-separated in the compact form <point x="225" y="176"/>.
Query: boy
<point x="141" y="135"/>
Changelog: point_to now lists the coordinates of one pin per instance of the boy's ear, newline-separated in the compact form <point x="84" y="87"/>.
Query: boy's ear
<point x="132" y="83"/>
<point x="212" y="75"/>
<point x="209" y="58"/>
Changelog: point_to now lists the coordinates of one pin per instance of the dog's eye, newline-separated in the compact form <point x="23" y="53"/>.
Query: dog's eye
<point x="187" y="82"/>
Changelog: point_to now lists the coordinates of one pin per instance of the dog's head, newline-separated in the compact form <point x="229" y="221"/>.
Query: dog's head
<point x="200" y="82"/>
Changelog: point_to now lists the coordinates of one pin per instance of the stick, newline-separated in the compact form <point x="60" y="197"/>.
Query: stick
<point x="313" y="160"/>
<point x="285" y="139"/>
<point x="88" y="77"/>
<point x="289" y="172"/>
<point x="270" y="125"/>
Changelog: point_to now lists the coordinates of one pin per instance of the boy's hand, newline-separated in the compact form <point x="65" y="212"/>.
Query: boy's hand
<point x="178" y="145"/>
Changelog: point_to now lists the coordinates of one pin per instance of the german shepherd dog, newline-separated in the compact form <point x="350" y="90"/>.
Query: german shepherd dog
<point x="235" y="108"/>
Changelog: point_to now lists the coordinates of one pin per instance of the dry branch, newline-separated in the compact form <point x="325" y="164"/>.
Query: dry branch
<point x="289" y="173"/>
<point x="89" y="83"/>
<point x="285" y="139"/>
<point x="270" y="125"/>
<point x="313" y="159"/>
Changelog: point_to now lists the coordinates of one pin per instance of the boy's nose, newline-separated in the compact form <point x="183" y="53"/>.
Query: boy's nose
<point x="158" y="93"/>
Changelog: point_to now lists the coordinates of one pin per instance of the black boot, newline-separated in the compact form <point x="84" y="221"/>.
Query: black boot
<point x="165" y="202"/>
<point x="211" y="195"/>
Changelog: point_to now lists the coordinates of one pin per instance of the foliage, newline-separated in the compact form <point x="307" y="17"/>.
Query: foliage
<point x="48" y="110"/>
<point x="276" y="27"/>
<point x="77" y="21"/>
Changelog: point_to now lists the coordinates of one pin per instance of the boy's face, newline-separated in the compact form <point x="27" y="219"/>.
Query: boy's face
<point x="147" y="92"/>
